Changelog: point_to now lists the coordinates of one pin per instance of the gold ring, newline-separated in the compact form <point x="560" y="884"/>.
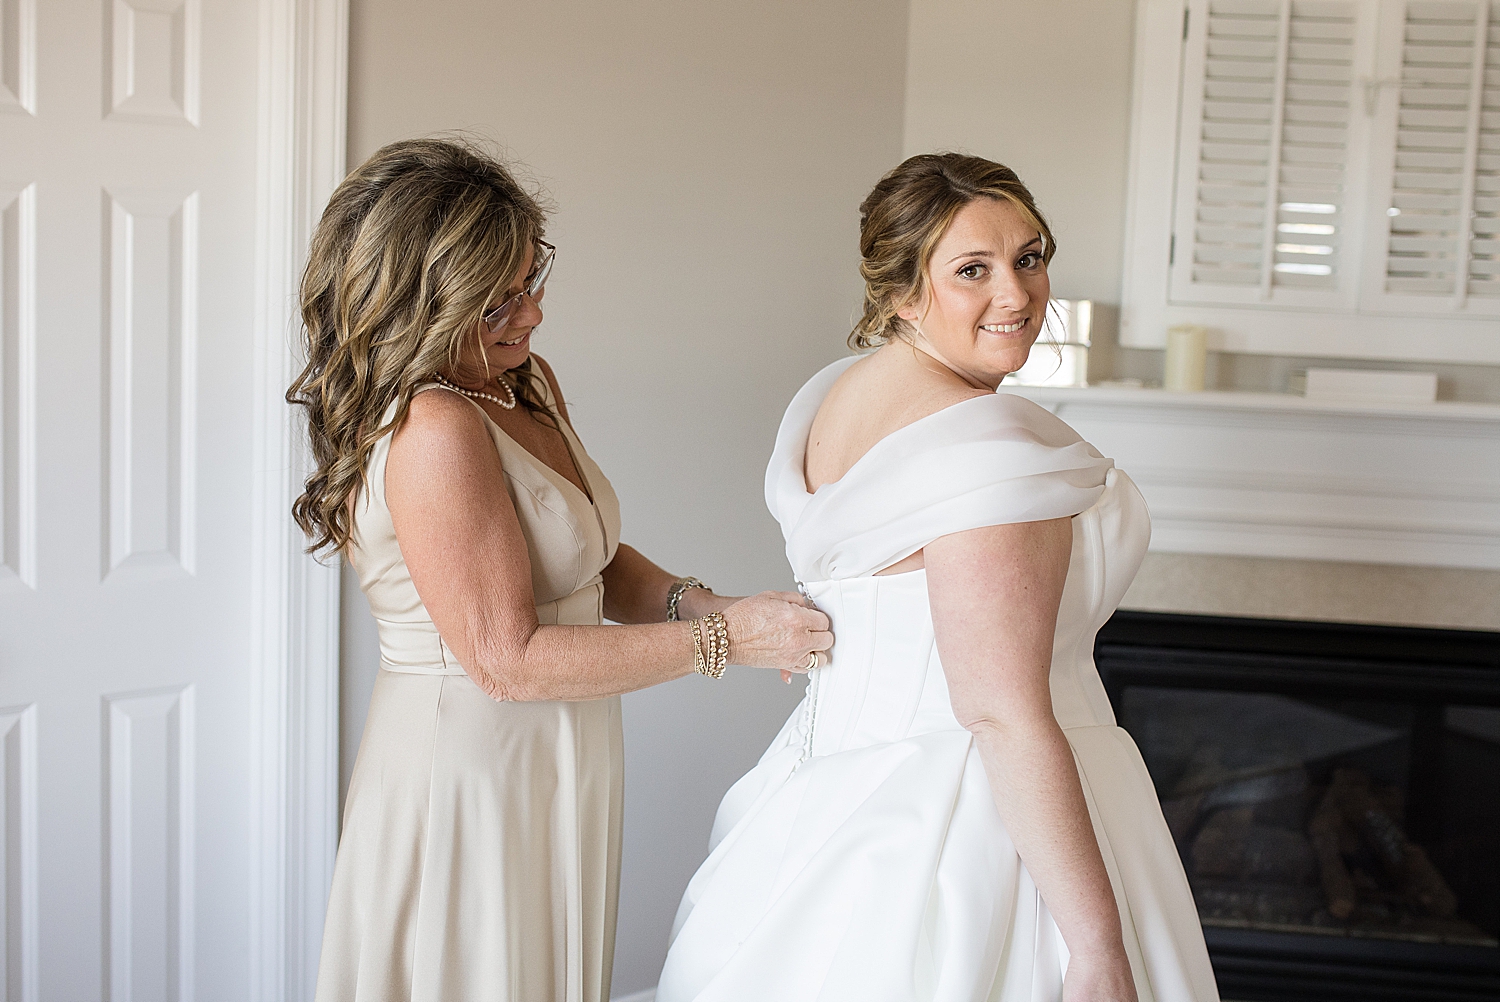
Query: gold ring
<point x="812" y="661"/>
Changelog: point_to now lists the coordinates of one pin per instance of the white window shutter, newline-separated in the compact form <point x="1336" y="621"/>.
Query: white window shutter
<point x="1439" y="139"/>
<point x="1268" y="192"/>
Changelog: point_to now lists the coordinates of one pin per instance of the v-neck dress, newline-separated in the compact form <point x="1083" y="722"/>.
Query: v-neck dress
<point x="479" y="857"/>
<point x="864" y="857"/>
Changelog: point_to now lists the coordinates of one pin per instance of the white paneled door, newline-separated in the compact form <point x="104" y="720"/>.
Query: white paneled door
<point x="128" y="174"/>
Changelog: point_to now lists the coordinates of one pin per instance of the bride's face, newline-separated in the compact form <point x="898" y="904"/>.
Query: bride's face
<point x="987" y="292"/>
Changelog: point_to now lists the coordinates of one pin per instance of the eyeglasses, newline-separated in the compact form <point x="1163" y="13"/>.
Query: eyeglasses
<point x="496" y="319"/>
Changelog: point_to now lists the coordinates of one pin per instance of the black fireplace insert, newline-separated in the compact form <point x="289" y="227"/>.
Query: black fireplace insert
<point x="1334" y="791"/>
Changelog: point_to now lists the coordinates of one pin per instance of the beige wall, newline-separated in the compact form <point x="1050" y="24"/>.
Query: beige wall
<point x="1045" y="89"/>
<point x="707" y="161"/>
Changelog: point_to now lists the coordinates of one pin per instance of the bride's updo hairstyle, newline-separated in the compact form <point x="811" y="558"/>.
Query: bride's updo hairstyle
<point x="412" y="248"/>
<point x="904" y="217"/>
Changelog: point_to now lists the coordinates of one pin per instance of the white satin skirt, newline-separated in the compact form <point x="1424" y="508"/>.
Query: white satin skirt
<point x="885" y="873"/>
<point x="480" y="853"/>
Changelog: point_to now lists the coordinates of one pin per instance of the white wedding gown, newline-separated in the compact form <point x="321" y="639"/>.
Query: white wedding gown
<point x="863" y="857"/>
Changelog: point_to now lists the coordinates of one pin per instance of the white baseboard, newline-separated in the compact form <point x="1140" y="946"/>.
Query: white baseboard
<point x="649" y="995"/>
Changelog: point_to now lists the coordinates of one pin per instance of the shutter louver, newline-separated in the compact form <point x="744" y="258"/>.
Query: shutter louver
<point x="1443" y="237"/>
<point x="1239" y="103"/>
<point x="1266" y="214"/>
<point x="1484" y="264"/>
<point x="1428" y="228"/>
<point x="1315" y="146"/>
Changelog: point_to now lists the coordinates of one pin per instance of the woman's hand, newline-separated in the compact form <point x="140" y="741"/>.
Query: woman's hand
<point x="1099" y="979"/>
<point x="775" y="629"/>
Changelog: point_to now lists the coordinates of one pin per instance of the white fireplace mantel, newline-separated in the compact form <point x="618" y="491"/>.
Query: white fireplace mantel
<point x="1276" y="475"/>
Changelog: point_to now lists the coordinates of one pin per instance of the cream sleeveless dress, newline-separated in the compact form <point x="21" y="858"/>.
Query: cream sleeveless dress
<point x="479" y="859"/>
<point x="863" y="857"/>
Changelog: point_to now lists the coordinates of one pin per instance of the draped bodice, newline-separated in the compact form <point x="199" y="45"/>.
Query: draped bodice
<point x="569" y="539"/>
<point x="989" y="460"/>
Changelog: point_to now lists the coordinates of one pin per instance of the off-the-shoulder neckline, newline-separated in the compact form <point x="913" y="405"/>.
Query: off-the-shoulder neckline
<point x="801" y="457"/>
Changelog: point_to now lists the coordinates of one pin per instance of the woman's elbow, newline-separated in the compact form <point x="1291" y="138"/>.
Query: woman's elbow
<point x="1005" y="723"/>
<point x="502" y="671"/>
<point x="509" y="684"/>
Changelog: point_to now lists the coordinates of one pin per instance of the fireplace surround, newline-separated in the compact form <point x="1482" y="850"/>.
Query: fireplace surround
<point x="1334" y="791"/>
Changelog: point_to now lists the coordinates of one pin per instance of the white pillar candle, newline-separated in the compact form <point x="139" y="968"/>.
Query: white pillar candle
<point x="1187" y="357"/>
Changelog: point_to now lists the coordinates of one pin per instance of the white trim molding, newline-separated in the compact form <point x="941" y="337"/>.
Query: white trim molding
<point x="295" y="600"/>
<point x="1276" y="475"/>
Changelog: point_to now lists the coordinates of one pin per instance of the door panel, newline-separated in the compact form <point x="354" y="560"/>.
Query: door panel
<point x="127" y="199"/>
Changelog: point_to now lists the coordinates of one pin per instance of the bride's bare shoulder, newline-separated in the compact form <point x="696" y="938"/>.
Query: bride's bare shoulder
<point x="880" y="394"/>
<point x="891" y="388"/>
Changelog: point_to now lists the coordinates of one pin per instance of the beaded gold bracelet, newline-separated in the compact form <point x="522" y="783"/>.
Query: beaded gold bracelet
<point x="721" y="636"/>
<point x="710" y="645"/>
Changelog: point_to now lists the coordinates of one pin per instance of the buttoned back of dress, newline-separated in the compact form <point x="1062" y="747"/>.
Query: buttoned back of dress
<point x="569" y="540"/>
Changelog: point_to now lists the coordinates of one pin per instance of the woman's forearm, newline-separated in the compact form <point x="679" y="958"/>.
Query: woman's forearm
<point x="583" y="662"/>
<point x="635" y="591"/>
<point x="591" y="662"/>
<point x="522" y="662"/>
<point x="1035" y="783"/>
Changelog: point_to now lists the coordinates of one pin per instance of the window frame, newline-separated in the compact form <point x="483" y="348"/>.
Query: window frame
<point x="1278" y="327"/>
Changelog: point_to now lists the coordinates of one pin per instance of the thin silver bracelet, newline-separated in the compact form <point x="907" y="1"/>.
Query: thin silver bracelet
<point x="674" y="594"/>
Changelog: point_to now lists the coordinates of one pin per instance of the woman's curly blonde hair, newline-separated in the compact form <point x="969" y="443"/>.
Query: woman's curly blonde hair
<point x="904" y="217"/>
<point x="410" y="251"/>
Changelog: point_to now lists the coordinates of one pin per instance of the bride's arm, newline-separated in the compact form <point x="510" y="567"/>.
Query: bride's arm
<point x="463" y="544"/>
<point x="995" y="594"/>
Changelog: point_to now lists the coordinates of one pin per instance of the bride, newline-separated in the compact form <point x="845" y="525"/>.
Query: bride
<point x="951" y="814"/>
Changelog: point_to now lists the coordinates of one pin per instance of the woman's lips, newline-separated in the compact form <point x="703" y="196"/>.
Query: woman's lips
<point x="1011" y="328"/>
<point x="514" y="343"/>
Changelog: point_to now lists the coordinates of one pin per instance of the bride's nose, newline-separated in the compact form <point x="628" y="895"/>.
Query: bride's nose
<point x="1009" y="292"/>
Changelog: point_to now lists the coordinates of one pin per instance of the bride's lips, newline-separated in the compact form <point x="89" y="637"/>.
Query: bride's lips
<point x="1013" y="329"/>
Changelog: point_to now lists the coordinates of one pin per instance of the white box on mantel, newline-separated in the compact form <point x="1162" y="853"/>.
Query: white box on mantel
<point x="1370" y="384"/>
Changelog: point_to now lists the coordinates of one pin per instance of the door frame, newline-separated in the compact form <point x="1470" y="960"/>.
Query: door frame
<point x="301" y="133"/>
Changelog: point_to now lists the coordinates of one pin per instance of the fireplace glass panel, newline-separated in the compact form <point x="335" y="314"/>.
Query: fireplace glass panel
<point x="1368" y="818"/>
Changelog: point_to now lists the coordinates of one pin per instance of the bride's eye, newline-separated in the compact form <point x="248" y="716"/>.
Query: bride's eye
<point x="972" y="271"/>
<point x="1029" y="261"/>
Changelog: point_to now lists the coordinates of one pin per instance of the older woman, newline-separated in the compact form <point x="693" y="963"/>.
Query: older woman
<point x="480" y="848"/>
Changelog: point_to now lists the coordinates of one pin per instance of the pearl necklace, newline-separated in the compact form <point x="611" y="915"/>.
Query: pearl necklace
<point x="509" y="405"/>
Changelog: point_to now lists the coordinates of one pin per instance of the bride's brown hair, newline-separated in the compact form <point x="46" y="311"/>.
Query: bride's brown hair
<point x="905" y="216"/>
<point x="412" y="248"/>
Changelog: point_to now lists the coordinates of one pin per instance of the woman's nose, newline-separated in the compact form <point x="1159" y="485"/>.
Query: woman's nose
<point x="529" y="314"/>
<point x="1010" y="292"/>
